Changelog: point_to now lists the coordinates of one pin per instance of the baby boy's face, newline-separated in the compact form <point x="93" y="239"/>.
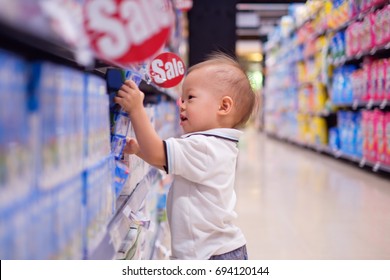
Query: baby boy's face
<point x="199" y="101"/>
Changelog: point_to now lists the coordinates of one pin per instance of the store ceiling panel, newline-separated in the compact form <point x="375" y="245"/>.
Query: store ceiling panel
<point x="255" y="19"/>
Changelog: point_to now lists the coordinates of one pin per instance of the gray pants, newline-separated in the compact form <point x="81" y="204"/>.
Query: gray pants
<point x="238" y="254"/>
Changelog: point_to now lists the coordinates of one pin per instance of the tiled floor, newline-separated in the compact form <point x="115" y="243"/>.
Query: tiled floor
<point x="297" y="204"/>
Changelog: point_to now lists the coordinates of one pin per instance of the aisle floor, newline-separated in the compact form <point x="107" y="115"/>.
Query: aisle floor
<point x="293" y="203"/>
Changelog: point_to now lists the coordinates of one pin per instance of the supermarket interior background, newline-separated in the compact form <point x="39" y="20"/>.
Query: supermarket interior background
<point x="314" y="165"/>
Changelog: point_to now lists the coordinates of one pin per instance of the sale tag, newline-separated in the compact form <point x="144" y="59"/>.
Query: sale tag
<point x="183" y="5"/>
<point x="167" y="70"/>
<point x="127" y="31"/>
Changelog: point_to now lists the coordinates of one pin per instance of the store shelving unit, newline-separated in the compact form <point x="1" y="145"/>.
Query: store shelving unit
<point x="118" y="228"/>
<point x="293" y="83"/>
<point x="360" y="162"/>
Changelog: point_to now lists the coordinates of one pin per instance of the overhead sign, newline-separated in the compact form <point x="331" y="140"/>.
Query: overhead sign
<point x="167" y="70"/>
<point x="127" y="31"/>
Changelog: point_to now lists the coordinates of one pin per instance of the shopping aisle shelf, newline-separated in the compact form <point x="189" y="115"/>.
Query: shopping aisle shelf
<point x="324" y="149"/>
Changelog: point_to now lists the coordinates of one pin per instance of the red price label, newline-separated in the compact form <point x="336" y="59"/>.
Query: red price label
<point x="127" y="31"/>
<point x="167" y="70"/>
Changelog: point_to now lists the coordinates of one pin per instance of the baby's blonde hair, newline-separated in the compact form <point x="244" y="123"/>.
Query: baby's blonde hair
<point x="232" y="79"/>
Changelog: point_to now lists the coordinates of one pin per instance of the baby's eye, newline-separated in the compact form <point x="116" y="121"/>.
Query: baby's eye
<point x="190" y="97"/>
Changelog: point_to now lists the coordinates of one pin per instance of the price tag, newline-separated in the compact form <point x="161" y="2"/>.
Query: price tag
<point x="167" y="70"/>
<point x="127" y="31"/>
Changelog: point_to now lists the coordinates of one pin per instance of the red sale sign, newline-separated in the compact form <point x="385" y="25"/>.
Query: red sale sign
<point x="167" y="70"/>
<point x="127" y="31"/>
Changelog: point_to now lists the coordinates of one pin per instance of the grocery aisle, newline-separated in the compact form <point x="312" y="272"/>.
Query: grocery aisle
<point x="296" y="204"/>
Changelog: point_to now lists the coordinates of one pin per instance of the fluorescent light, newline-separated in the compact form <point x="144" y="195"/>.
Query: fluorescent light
<point x="247" y="20"/>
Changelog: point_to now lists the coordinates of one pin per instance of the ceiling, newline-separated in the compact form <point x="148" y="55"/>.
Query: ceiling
<point x="256" y="19"/>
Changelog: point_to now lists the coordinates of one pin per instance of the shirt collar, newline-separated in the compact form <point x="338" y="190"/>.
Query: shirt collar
<point x="227" y="133"/>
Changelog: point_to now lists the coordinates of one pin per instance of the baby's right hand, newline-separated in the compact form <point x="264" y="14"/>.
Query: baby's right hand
<point x="131" y="147"/>
<point x="130" y="97"/>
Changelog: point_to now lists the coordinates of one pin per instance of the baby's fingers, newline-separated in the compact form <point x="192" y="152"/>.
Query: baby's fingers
<point x="131" y="84"/>
<point x="122" y="93"/>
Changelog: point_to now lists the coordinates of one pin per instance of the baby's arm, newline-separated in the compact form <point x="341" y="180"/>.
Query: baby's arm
<point x="151" y="147"/>
<point x="132" y="148"/>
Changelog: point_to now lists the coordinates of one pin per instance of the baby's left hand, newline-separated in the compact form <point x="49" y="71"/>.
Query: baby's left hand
<point x="130" y="97"/>
<point x="131" y="147"/>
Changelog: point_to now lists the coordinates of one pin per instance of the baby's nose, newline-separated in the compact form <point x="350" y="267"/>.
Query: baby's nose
<point x="179" y="101"/>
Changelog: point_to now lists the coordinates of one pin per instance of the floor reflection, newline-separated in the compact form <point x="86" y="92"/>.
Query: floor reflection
<point x="297" y="204"/>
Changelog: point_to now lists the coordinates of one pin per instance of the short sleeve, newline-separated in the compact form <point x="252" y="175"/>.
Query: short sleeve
<point x="187" y="157"/>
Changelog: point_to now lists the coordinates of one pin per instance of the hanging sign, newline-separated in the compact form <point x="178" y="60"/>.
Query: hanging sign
<point x="127" y="31"/>
<point x="167" y="70"/>
<point x="183" y="5"/>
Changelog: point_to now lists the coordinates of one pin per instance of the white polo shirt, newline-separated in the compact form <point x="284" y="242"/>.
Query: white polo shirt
<point x="201" y="201"/>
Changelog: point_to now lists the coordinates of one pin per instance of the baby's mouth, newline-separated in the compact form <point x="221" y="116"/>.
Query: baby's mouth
<point x="183" y="118"/>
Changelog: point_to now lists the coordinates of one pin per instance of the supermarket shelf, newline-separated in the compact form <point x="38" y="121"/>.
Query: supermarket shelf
<point x="154" y="90"/>
<point x="119" y="226"/>
<point x="359" y="16"/>
<point x="33" y="46"/>
<point x="276" y="43"/>
<point x="322" y="114"/>
<point x="324" y="149"/>
<point x="381" y="51"/>
<point x="357" y="104"/>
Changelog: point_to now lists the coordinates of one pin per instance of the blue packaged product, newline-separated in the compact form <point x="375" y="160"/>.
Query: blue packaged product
<point x="334" y="140"/>
<point x="97" y="122"/>
<point x="115" y="79"/>
<point x="120" y="121"/>
<point x="342" y="43"/>
<point x="335" y="87"/>
<point x="347" y="86"/>
<point x="5" y="234"/>
<point x="69" y="223"/>
<point x="117" y="145"/>
<point x="122" y="124"/>
<point x="16" y="154"/>
<point x="358" y="135"/>
<point x="121" y="175"/>
<point x="98" y="199"/>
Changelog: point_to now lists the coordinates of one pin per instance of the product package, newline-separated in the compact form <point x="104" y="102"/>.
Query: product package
<point x="380" y="136"/>
<point x="16" y="135"/>
<point x="387" y="79"/>
<point x="370" y="141"/>
<point x="120" y="120"/>
<point x="341" y="91"/>
<point x="334" y="139"/>
<point x="350" y="132"/>
<point x="99" y="202"/>
<point x="97" y="125"/>
<point x="59" y="92"/>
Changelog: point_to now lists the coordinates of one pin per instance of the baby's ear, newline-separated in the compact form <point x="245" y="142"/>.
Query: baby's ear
<point x="226" y="105"/>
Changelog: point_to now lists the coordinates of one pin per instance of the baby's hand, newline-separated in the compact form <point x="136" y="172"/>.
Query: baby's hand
<point x="130" y="97"/>
<point x="131" y="147"/>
